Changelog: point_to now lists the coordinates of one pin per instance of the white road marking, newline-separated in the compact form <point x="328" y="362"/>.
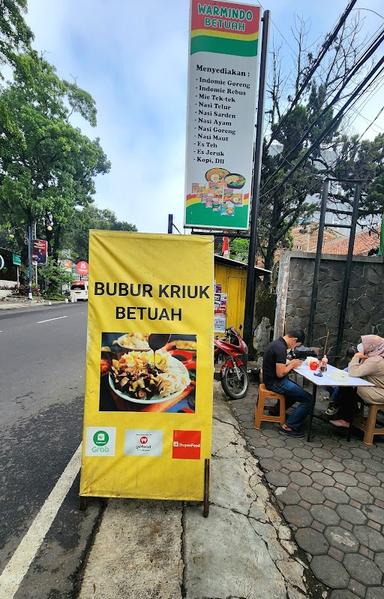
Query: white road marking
<point x="50" y="319"/>
<point x="18" y="565"/>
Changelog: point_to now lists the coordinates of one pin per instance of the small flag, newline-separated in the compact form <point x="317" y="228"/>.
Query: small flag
<point x="225" y="247"/>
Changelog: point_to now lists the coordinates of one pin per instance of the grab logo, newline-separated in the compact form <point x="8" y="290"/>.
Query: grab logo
<point x="186" y="445"/>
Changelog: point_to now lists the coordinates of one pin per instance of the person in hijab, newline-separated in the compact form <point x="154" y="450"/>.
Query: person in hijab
<point x="367" y="363"/>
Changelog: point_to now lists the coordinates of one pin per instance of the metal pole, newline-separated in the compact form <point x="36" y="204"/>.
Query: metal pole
<point x="319" y="248"/>
<point x="170" y="223"/>
<point x="347" y="272"/>
<point x="30" y="267"/>
<point x="255" y="208"/>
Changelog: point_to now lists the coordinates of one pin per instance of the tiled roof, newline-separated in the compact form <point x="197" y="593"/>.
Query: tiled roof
<point x="364" y="242"/>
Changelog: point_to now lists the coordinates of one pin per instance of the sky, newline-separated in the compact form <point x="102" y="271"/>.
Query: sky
<point x="133" y="58"/>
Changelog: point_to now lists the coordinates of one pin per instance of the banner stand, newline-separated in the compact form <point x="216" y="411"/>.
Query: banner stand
<point x="83" y="501"/>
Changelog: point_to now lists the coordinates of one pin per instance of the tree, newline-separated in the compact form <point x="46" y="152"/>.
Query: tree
<point x="294" y="127"/>
<point x="76" y="238"/>
<point x="14" y="32"/>
<point x="46" y="164"/>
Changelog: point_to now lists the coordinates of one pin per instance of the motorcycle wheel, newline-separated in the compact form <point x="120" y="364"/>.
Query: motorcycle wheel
<point x="235" y="387"/>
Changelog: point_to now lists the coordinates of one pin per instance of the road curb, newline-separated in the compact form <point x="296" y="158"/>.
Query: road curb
<point x="12" y="312"/>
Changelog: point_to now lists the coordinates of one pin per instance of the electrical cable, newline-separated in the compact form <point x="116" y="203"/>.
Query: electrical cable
<point x="367" y="54"/>
<point x="335" y="121"/>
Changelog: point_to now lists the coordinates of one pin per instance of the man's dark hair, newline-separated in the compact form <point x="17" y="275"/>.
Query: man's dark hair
<point x="296" y="333"/>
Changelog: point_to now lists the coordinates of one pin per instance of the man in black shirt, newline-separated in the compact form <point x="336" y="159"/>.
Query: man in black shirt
<point x="275" y="376"/>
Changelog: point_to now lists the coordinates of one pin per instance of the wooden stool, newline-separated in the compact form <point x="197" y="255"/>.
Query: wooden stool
<point x="368" y="425"/>
<point x="259" y="412"/>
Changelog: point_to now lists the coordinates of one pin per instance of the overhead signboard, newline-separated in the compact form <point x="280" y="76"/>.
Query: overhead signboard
<point x="223" y="66"/>
<point x="149" y="380"/>
<point x="39" y="252"/>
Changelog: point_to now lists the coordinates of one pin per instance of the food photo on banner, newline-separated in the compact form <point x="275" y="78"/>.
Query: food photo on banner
<point x="148" y="372"/>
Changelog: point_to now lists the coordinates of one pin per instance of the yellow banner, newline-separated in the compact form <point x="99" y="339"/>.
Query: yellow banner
<point x="149" y="372"/>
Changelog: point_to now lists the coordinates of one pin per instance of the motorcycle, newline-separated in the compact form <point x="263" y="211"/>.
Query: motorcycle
<point x="231" y="352"/>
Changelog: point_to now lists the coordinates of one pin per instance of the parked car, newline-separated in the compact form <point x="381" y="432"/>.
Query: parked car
<point x="79" y="291"/>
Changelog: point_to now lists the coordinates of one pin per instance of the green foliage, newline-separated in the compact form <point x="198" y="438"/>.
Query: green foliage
<point x="46" y="164"/>
<point x="238" y="249"/>
<point x="76" y="237"/>
<point x="52" y="277"/>
<point x="14" y="32"/>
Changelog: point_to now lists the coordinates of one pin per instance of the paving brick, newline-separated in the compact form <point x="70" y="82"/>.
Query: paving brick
<point x="278" y="479"/>
<point x="379" y="561"/>
<point x="330" y="504"/>
<point x="318" y="526"/>
<point x="312" y="541"/>
<point x="325" y="515"/>
<point x="368" y="479"/>
<point x="334" y="465"/>
<point x="262" y="452"/>
<point x="361" y="453"/>
<point x="374" y="525"/>
<point x="323" y="479"/>
<point x="374" y="513"/>
<point x="362" y="569"/>
<point x="379" y="502"/>
<point x="312" y="465"/>
<point x="348" y="480"/>
<point x="342" y="594"/>
<point x="301" y="452"/>
<point x="322" y="453"/>
<point x="342" y="453"/>
<point x="311" y="495"/>
<point x="291" y="465"/>
<point x="351" y="514"/>
<point x="307" y="472"/>
<point x="340" y="486"/>
<point x="341" y="539"/>
<point x="330" y="571"/>
<point x="346" y="525"/>
<point x="375" y="593"/>
<point x="358" y="494"/>
<point x="380" y="476"/>
<point x="374" y="465"/>
<point x="276" y="442"/>
<point x="270" y="464"/>
<point x="354" y="465"/>
<point x="297" y="515"/>
<point x="281" y="453"/>
<point x="289" y="497"/>
<point x="355" y="504"/>
<point x="378" y="493"/>
<point x="336" y="495"/>
<point x="336" y="554"/>
<point x="356" y="587"/>
<point x="301" y="479"/>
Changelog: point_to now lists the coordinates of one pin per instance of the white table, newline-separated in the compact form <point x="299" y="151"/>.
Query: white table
<point x="333" y="377"/>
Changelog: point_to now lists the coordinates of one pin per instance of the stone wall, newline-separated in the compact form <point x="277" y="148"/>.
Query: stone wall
<point x="365" y="308"/>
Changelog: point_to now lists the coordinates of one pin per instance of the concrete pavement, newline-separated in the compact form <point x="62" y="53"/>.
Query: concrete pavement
<point x="167" y="550"/>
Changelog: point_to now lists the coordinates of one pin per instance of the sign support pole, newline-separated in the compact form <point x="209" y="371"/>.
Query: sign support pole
<point x="30" y="267"/>
<point x="251" y="287"/>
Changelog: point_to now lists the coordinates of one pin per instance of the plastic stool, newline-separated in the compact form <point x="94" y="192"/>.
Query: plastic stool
<point x="259" y="412"/>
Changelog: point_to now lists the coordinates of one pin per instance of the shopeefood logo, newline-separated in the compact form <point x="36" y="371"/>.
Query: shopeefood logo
<point x="186" y="445"/>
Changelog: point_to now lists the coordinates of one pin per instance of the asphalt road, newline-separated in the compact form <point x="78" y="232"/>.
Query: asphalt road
<point x="42" y="361"/>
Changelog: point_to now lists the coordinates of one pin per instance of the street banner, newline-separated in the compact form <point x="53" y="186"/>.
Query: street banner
<point x="223" y="65"/>
<point x="39" y="252"/>
<point x="149" y="369"/>
<point x="82" y="268"/>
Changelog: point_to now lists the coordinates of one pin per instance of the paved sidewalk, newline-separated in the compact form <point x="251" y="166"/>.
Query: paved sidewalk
<point x="167" y="550"/>
<point x="331" y="492"/>
<point x="27" y="304"/>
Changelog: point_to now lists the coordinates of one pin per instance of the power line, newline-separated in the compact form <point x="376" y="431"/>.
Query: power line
<point x="335" y="121"/>
<point x="326" y="45"/>
<point x="361" y="61"/>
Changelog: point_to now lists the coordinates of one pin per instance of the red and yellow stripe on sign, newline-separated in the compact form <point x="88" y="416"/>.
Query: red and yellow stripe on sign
<point x="224" y="28"/>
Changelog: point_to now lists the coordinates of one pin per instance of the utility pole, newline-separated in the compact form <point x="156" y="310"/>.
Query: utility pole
<point x="250" y="290"/>
<point x="30" y="267"/>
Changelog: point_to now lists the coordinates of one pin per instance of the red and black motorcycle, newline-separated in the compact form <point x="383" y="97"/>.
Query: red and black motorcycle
<point x="231" y="353"/>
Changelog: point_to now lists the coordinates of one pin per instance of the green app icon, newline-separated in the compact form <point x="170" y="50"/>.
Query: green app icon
<point x="100" y="438"/>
